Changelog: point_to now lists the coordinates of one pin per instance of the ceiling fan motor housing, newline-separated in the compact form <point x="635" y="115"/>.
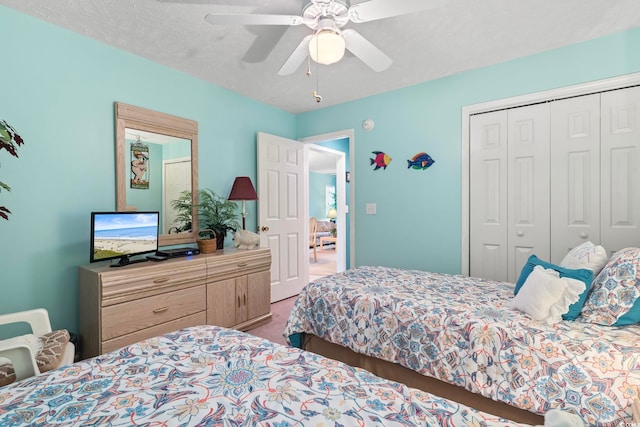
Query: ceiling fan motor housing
<point x="325" y="14"/>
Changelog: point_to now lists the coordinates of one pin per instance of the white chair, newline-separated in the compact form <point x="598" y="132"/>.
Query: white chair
<point x="38" y="352"/>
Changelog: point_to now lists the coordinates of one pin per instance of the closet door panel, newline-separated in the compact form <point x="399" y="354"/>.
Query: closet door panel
<point x="527" y="186"/>
<point x="620" y="151"/>
<point x="575" y="173"/>
<point x="488" y="192"/>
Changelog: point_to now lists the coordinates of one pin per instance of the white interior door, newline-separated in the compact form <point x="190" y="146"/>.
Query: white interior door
<point x="488" y="196"/>
<point x="575" y="173"/>
<point x="176" y="179"/>
<point x="282" y="212"/>
<point x="528" y="185"/>
<point x="620" y="151"/>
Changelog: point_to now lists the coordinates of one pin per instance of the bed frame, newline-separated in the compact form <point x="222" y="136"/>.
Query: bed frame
<point x="398" y="373"/>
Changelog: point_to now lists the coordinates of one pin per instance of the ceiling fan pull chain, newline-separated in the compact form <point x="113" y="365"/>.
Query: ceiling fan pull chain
<point x="316" y="94"/>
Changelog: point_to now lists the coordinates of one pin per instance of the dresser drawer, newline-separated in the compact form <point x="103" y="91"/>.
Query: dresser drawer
<point x="220" y="267"/>
<point x="174" y="325"/>
<point x="156" y="278"/>
<point x="131" y="316"/>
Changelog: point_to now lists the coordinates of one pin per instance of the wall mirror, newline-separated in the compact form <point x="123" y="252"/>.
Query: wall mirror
<point x="156" y="160"/>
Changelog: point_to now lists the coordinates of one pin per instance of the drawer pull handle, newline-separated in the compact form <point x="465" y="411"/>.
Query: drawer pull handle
<point x="238" y="301"/>
<point x="245" y="299"/>
<point x="161" y="280"/>
<point x="160" y="310"/>
<point x="242" y="264"/>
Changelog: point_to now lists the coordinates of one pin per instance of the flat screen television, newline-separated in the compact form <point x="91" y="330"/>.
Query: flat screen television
<point x="123" y="235"/>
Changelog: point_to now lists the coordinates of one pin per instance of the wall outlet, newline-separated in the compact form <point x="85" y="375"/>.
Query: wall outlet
<point x="371" y="208"/>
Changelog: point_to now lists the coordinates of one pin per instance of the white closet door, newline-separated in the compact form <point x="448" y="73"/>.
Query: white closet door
<point x="527" y="186"/>
<point x="620" y="153"/>
<point x="575" y="173"/>
<point x="488" y="196"/>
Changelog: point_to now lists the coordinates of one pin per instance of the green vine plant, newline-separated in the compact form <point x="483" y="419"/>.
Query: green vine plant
<point x="10" y="141"/>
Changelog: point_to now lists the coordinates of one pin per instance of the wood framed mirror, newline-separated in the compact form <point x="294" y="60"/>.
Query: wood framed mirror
<point x="156" y="160"/>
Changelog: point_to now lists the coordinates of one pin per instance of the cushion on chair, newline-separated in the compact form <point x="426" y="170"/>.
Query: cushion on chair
<point x="7" y="375"/>
<point x="53" y="345"/>
<point x="48" y="348"/>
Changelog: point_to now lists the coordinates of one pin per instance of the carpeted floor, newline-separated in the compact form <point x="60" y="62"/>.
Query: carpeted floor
<point x="280" y="310"/>
<point x="273" y="330"/>
<point x="325" y="265"/>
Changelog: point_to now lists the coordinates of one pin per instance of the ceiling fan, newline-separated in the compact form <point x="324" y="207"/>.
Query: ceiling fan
<point x="327" y="44"/>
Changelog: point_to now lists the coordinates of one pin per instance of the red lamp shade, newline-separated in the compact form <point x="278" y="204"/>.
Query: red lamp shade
<point x="243" y="189"/>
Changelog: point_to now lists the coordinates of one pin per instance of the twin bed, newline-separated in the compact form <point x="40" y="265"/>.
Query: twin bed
<point x="457" y="337"/>
<point x="220" y="377"/>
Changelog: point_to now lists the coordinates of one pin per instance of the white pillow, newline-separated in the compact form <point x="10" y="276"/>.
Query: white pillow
<point x="545" y="296"/>
<point x="586" y="255"/>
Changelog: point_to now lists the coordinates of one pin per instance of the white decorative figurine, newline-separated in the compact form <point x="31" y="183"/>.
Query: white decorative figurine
<point x="244" y="239"/>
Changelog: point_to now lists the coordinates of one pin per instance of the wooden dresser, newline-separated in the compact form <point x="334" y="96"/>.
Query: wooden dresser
<point x="120" y="306"/>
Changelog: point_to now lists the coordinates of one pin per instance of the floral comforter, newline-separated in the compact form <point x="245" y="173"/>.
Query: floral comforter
<point x="219" y="377"/>
<point x="459" y="330"/>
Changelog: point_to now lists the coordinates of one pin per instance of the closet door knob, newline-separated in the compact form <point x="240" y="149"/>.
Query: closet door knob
<point x="584" y="235"/>
<point x="520" y="233"/>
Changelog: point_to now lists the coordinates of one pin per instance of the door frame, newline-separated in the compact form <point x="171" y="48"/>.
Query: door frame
<point x="340" y="168"/>
<point x="165" y="164"/>
<point x="316" y="139"/>
<point x="519" y="101"/>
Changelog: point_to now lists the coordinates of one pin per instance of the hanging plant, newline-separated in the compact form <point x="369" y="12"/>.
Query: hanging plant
<point x="10" y="141"/>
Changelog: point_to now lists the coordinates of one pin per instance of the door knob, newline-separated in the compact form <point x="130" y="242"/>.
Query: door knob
<point x="264" y="228"/>
<point x="520" y="233"/>
<point x="584" y="235"/>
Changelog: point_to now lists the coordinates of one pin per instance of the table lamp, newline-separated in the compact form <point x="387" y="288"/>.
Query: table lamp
<point x="243" y="190"/>
<point x="332" y="214"/>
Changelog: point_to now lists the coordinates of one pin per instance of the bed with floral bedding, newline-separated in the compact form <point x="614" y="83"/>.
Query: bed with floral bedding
<point x="462" y="331"/>
<point x="220" y="377"/>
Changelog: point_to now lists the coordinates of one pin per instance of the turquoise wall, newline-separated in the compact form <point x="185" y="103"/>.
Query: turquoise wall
<point x="418" y="220"/>
<point x="58" y="90"/>
<point x="317" y="193"/>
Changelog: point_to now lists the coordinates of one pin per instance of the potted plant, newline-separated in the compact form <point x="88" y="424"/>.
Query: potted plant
<point x="216" y="215"/>
<point x="10" y="141"/>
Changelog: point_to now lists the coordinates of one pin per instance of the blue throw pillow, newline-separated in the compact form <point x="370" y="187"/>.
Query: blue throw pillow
<point x="582" y="274"/>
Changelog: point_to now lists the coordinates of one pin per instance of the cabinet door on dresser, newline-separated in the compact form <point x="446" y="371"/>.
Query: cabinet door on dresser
<point x="239" y="289"/>
<point x="258" y="294"/>
<point x="232" y="302"/>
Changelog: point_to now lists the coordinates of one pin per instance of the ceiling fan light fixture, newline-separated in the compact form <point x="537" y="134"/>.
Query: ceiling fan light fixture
<point x="326" y="47"/>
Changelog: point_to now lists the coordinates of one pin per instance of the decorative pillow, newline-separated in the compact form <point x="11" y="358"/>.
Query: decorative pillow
<point x="7" y="374"/>
<point x="582" y="274"/>
<point x="615" y="297"/>
<point x="545" y="296"/>
<point x="53" y="346"/>
<point x="586" y="255"/>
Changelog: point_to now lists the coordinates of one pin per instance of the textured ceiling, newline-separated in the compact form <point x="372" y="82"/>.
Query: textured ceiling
<point x="461" y="35"/>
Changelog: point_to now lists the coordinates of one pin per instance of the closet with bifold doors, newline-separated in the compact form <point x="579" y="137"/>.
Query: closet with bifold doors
<point x="546" y="177"/>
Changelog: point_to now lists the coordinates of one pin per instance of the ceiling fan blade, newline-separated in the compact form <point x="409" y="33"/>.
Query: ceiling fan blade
<point x="298" y="56"/>
<point x="379" y="9"/>
<point x="249" y="19"/>
<point x="366" y="51"/>
<point x="266" y="40"/>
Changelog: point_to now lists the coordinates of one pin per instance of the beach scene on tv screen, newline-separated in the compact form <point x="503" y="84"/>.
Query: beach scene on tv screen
<point x="124" y="234"/>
